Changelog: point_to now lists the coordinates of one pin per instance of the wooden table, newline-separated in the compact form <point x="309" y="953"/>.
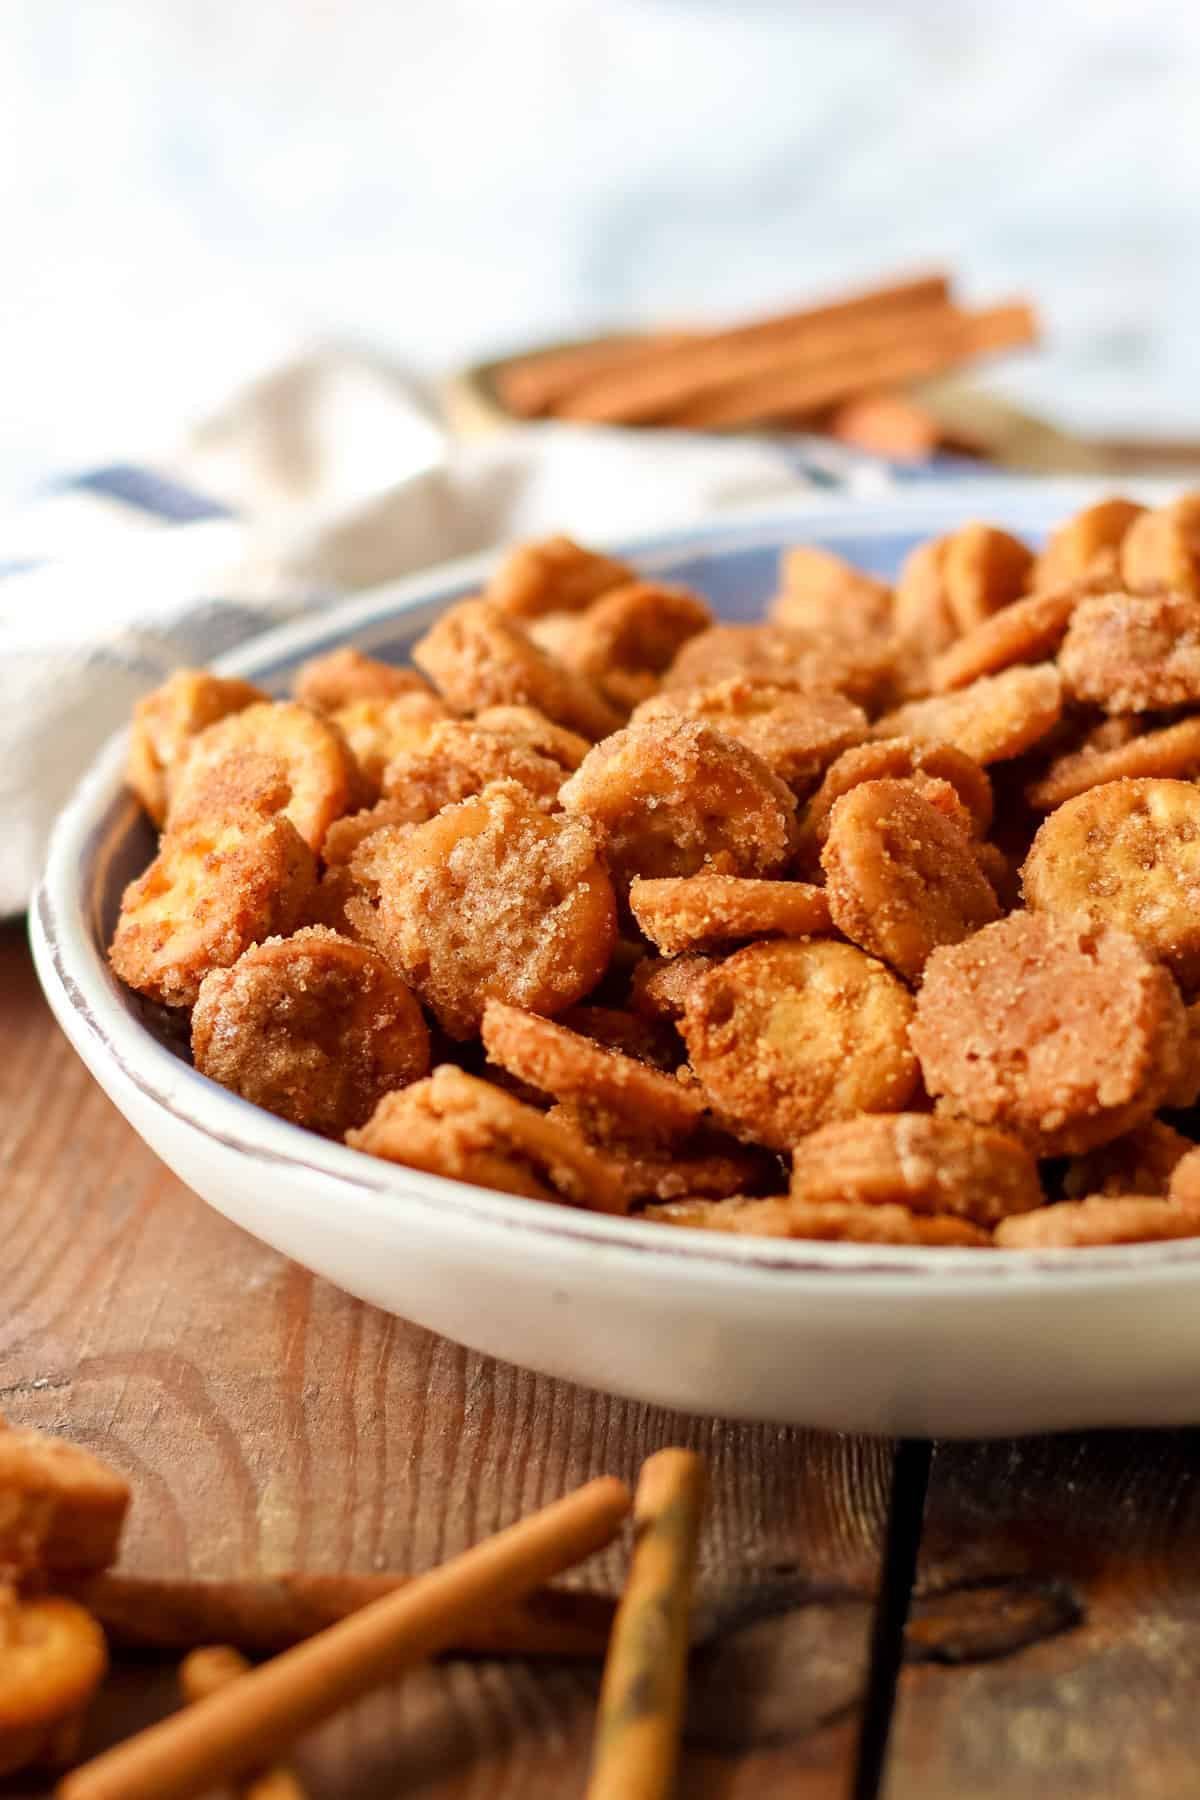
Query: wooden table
<point x="268" y="1422"/>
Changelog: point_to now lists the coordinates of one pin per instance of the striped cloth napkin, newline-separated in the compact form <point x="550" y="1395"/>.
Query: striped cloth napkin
<point x="329" y="476"/>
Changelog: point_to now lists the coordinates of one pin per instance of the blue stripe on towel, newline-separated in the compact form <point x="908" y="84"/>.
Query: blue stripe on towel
<point x="150" y="493"/>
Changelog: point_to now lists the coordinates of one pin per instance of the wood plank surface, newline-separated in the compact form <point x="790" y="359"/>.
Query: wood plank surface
<point x="1066" y="1572"/>
<point x="269" y="1422"/>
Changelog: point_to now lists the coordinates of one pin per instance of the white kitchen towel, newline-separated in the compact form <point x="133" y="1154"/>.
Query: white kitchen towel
<point x="330" y="475"/>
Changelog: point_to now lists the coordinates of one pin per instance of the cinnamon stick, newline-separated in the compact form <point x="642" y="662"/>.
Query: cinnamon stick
<point x="642" y="1695"/>
<point x="798" y="387"/>
<point x="206" y="1672"/>
<point x="263" y="1615"/>
<point x="254" y="1720"/>
<point x="533" y="386"/>
<point x="650" y="389"/>
<point x="890" y="425"/>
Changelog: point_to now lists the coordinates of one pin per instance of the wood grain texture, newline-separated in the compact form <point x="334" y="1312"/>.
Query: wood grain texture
<point x="1066" y="1572"/>
<point x="269" y="1422"/>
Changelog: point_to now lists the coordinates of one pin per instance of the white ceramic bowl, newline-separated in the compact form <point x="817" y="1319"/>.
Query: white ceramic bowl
<point x="920" y="1342"/>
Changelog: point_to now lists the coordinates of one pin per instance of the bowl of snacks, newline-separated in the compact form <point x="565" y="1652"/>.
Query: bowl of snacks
<point x="753" y="969"/>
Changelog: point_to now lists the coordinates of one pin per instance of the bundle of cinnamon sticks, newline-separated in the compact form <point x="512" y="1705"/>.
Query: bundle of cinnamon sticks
<point x="240" y="1720"/>
<point x="843" y="366"/>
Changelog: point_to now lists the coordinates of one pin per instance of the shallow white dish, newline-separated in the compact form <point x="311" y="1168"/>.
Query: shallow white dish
<point x="918" y="1342"/>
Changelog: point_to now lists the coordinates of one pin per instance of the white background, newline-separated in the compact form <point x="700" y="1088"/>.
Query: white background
<point x="188" y="190"/>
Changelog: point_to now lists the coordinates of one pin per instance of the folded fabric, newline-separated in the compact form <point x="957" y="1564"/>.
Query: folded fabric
<point x="330" y="475"/>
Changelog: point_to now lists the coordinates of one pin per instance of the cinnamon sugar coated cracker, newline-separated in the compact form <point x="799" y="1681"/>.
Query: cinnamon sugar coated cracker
<point x="451" y="1124"/>
<point x="1100" y="1219"/>
<point x="901" y="877"/>
<point x="696" y="912"/>
<point x="624" y="640"/>
<point x="615" y="1092"/>
<point x="669" y="796"/>
<point x="874" y="918"/>
<point x="996" y="717"/>
<point x="1087" y="545"/>
<point x="477" y="656"/>
<point x="1028" y="631"/>
<point x="1065" y="1036"/>
<point x="834" y="1221"/>
<point x="313" y="1027"/>
<point x="786" y="1036"/>
<point x="211" y="892"/>
<point x="1141" y="1162"/>
<point x="491" y="898"/>
<point x="236" y="760"/>
<point x="166" y="722"/>
<point x="1132" y="653"/>
<point x="805" y="659"/>
<point x="797" y="733"/>
<point x="1125" y="854"/>
<point x="924" y="1163"/>
<point x="1127" y="753"/>
<point x="341" y="677"/>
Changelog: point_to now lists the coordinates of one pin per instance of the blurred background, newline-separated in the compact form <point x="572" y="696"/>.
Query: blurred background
<point x="189" y="192"/>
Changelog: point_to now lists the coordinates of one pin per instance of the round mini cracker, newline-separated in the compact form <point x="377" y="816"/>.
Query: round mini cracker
<point x="459" y="759"/>
<point x="476" y="656"/>
<point x="660" y="985"/>
<point x="214" y="889"/>
<point x="1132" y="653"/>
<point x="553" y="574"/>
<point x="831" y="1221"/>
<point x="669" y="795"/>
<point x="920" y="1161"/>
<point x="785" y="1036"/>
<point x="313" y="1028"/>
<point x="822" y="592"/>
<point x="629" y="636"/>
<point x="1098" y="1220"/>
<point x="1141" y="1162"/>
<point x="1125" y="854"/>
<point x="900" y="877"/>
<point x="699" y="912"/>
<point x="167" y="722"/>
<point x="1173" y="750"/>
<point x="900" y="758"/>
<point x="710" y="1165"/>
<point x="1028" y="631"/>
<point x="769" y="655"/>
<point x="340" y="677"/>
<point x="797" y="733"/>
<point x="991" y="720"/>
<point x="1088" y="543"/>
<point x="455" y="1125"/>
<point x="1184" y="1185"/>
<point x="230" y="764"/>
<point x="1160" y="552"/>
<point x="618" y="1095"/>
<point x="378" y="727"/>
<point x="491" y="898"/>
<point x="526" y="725"/>
<point x="1067" y="1038"/>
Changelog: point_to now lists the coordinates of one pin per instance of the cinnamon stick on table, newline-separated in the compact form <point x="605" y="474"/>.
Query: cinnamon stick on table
<point x="642" y="1695"/>
<point x="647" y="389"/>
<point x="252" y="1721"/>
<point x="263" y="1615"/>
<point x="207" y="1671"/>
<point x="799" y="386"/>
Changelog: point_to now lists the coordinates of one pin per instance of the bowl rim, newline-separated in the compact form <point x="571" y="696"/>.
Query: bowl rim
<point x="85" y="996"/>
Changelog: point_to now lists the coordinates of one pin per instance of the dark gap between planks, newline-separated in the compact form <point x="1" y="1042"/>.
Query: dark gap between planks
<point x="906" y="1513"/>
